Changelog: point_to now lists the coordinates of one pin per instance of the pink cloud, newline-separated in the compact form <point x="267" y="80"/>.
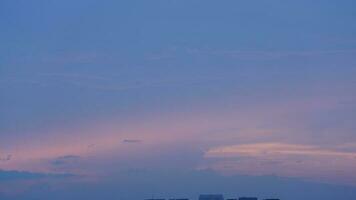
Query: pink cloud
<point x="283" y="159"/>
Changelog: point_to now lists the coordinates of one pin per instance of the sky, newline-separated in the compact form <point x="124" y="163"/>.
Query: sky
<point x="176" y="98"/>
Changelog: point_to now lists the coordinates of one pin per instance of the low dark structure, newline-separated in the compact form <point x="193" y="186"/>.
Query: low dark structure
<point x="155" y="199"/>
<point x="271" y="199"/>
<point x="215" y="197"/>
<point x="178" y="199"/>
<point x="211" y="197"/>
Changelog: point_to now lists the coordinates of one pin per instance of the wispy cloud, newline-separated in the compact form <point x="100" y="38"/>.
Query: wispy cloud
<point x="268" y="55"/>
<point x="273" y="149"/>
<point x="245" y="54"/>
<point x="285" y="159"/>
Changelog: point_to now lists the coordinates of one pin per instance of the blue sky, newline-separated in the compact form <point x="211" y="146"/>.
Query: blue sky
<point x="235" y="91"/>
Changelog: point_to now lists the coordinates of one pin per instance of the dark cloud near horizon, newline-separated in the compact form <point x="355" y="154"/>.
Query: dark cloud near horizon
<point x="65" y="159"/>
<point x="26" y="175"/>
<point x="131" y="141"/>
<point x="6" y="158"/>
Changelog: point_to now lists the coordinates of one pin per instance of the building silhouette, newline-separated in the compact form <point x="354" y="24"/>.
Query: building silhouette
<point x="211" y="197"/>
<point x="271" y="199"/>
<point x="214" y="197"/>
<point x="155" y="199"/>
<point x="179" y="199"/>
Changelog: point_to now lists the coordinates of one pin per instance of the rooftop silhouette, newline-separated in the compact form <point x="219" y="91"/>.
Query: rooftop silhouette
<point x="248" y="198"/>
<point x="216" y="197"/>
<point x="211" y="197"/>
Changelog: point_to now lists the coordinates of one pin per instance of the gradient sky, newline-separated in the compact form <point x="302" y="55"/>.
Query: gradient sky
<point x="173" y="98"/>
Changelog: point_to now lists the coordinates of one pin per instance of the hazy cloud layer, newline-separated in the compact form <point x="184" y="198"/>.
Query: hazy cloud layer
<point x="321" y="163"/>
